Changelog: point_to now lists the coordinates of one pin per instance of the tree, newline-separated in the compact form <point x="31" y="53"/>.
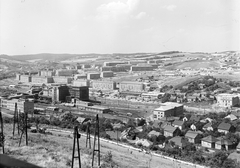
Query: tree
<point x="229" y="163"/>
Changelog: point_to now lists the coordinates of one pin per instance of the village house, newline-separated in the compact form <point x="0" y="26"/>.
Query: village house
<point x="178" y="123"/>
<point x="193" y="137"/>
<point x="225" y="128"/>
<point x="231" y="117"/>
<point x="144" y="142"/>
<point x="224" y="144"/>
<point x="154" y="133"/>
<point x="193" y="127"/>
<point x="209" y="141"/>
<point x="194" y="118"/>
<point x="171" y="131"/>
<point x="208" y="127"/>
<point x="238" y="147"/>
<point x="178" y="141"/>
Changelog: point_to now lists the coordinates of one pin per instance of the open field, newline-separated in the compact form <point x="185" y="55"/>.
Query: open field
<point x="55" y="151"/>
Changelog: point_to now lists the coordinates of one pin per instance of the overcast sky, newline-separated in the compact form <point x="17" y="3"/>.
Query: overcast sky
<point x="110" y="26"/>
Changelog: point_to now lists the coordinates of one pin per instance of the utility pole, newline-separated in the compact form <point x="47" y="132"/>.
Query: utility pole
<point x="96" y="137"/>
<point x="76" y="137"/>
<point x="88" y="140"/>
<point x="2" y="139"/>
<point x="23" y="126"/>
<point x="15" y="120"/>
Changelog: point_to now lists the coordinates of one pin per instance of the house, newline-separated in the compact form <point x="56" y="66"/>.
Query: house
<point x="231" y="117"/>
<point x="193" y="127"/>
<point x="227" y="100"/>
<point x="144" y="142"/>
<point x="179" y="141"/>
<point x="238" y="147"/>
<point x="209" y="141"/>
<point x="194" y="118"/>
<point x="225" y="128"/>
<point x="154" y="133"/>
<point x="178" y="123"/>
<point x="193" y="137"/>
<point x="224" y="144"/>
<point x="208" y="127"/>
<point x="206" y="120"/>
<point x="164" y="124"/>
<point x="156" y="124"/>
<point x="114" y="134"/>
<point x="171" y="131"/>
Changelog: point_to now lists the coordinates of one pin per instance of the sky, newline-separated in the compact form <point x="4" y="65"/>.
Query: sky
<point x="118" y="26"/>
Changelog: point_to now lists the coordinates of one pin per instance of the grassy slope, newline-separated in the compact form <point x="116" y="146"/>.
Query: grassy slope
<point x="56" y="150"/>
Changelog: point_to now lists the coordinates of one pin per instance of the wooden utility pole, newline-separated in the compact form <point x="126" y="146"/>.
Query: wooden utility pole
<point x="15" y="120"/>
<point x="96" y="137"/>
<point x="76" y="137"/>
<point x="23" y="121"/>
<point x="2" y="138"/>
<point x="88" y="140"/>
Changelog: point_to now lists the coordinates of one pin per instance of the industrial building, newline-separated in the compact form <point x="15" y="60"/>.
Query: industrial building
<point x="55" y="93"/>
<point x="104" y="85"/>
<point x="168" y="109"/>
<point x="22" y="105"/>
<point x="81" y="82"/>
<point x="131" y="86"/>
<point x="106" y="74"/>
<point x="81" y="93"/>
<point x="135" y="62"/>
<point x="42" y="79"/>
<point x="93" y="75"/>
<point x="227" y="100"/>
<point x="142" y="68"/>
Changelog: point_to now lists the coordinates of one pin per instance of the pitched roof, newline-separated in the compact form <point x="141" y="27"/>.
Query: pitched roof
<point x="224" y="142"/>
<point x="179" y="141"/>
<point x="178" y="122"/>
<point x="195" y="118"/>
<point x="170" y="128"/>
<point x="224" y="126"/>
<point x="191" y="134"/>
<point x="207" y="125"/>
<point x="231" y="117"/>
<point x="154" y="133"/>
<point x="210" y="138"/>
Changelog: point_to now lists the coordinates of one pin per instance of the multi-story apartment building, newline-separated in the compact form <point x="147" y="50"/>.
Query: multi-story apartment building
<point x="227" y="100"/>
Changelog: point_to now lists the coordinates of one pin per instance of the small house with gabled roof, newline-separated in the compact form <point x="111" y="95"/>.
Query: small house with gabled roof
<point x="224" y="144"/>
<point x="171" y="131"/>
<point x="193" y="137"/>
<point x="225" y="127"/>
<point x="178" y="123"/>
<point x="209" y="141"/>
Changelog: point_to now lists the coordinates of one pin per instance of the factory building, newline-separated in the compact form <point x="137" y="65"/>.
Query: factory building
<point x="80" y="76"/>
<point x="22" y="105"/>
<point x="113" y="63"/>
<point x="168" y="109"/>
<point x="81" y="93"/>
<point x="93" y="75"/>
<point x="26" y="78"/>
<point x="106" y="74"/>
<point x="62" y="79"/>
<point x="104" y="85"/>
<point x="59" y="93"/>
<point x="81" y="82"/>
<point x="42" y="79"/>
<point x="65" y="72"/>
<point x="131" y="86"/>
<point x="46" y="73"/>
<point x="141" y="68"/>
